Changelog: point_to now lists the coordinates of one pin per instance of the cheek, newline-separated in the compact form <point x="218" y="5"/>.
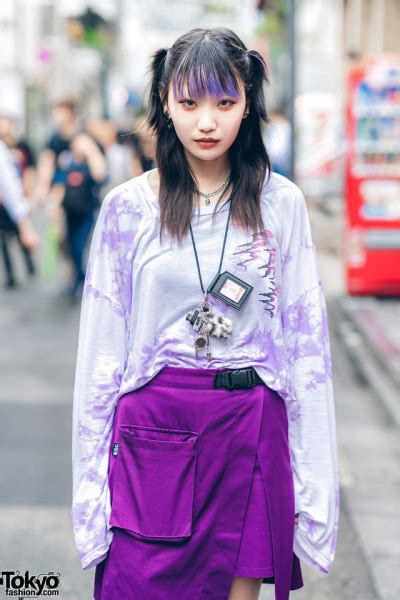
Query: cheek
<point x="183" y="128"/>
<point x="182" y="137"/>
<point x="231" y="126"/>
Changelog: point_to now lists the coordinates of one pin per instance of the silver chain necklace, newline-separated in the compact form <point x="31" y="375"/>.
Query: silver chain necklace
<point x="210" y="194"/>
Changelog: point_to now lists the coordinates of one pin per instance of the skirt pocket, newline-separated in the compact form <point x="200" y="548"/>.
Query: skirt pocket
<point x="153" y="488"/>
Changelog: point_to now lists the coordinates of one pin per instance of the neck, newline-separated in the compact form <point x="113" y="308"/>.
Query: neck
<point x="209" y="174"/>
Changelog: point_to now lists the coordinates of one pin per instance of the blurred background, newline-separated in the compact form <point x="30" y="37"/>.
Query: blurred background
<point x="73" y="76"/>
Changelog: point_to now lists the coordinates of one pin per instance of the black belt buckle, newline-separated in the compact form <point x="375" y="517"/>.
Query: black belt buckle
<point x="236" y="379"/>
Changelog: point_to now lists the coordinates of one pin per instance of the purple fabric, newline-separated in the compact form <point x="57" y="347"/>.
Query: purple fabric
<point x="255" y="553"/>
<point x="184" y="483"/>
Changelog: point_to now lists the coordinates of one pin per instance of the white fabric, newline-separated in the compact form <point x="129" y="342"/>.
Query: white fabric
<point x="11" y="191"/>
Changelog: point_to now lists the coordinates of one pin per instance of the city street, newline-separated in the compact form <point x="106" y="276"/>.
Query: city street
<point x="98" y="92"/>
<point x="38" y="359"/>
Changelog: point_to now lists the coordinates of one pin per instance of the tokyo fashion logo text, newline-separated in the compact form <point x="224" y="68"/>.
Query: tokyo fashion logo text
<point x="44" y="584"/>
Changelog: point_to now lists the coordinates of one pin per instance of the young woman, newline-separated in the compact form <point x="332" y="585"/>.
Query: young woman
<point x="203" y="420"/>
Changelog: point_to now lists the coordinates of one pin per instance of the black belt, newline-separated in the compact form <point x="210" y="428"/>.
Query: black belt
<point x="237" y="379"/>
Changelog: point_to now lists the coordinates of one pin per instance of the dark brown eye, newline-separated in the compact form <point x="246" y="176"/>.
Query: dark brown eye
<point x="184" y="102"/>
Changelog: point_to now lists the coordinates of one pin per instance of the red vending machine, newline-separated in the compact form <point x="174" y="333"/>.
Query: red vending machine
<point x="372" y="177"/>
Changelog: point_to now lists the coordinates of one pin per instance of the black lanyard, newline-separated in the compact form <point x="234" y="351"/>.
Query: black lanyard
<point x="222" y="253"/>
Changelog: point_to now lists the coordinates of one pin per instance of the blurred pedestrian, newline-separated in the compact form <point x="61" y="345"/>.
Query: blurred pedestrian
<point x="277" y="137"/>
<point x="14" y="219"/>
<point x="83" y="170"/>
<point x="24" y="162"/>
<point x="144" y="144"/>
<point x="121" y="163"/>
<point x="50" y="177"/>
<point x="24" y="157"/>
<point x="66" y="126"/>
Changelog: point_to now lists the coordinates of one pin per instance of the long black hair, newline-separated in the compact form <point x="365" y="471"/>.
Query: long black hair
<point x="211" y="61"/>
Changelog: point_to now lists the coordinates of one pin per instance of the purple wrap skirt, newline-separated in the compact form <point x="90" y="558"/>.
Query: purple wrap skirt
<point x="201" y="491"/>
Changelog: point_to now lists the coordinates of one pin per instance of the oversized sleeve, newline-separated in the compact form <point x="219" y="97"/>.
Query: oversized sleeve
<point x="100" y="364"/>
<point x="310" y="399"/>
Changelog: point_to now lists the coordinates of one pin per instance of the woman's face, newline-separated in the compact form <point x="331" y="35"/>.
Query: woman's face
<point x="206" y="118"/>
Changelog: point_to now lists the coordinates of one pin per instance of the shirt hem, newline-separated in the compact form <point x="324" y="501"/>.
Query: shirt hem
<point x="94" y="558"/>
<point x="306" y="553"/>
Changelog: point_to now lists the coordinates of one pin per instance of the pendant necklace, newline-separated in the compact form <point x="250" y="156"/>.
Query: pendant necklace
<point x="220" y="189"/>
<point x="225" y="286"/>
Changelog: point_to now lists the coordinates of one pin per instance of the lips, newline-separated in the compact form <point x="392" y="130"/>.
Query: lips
<point x="206" y="140"/>
<point x="207" y="143"/>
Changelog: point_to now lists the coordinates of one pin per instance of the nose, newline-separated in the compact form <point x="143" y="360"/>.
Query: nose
<point x="206" y="121"/>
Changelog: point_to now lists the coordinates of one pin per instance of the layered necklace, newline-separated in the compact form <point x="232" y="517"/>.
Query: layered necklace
<point x="225" y="286"/>
<point x="211" y="194"/>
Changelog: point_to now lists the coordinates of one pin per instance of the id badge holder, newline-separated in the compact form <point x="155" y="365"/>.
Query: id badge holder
<point x="230" y="289"/>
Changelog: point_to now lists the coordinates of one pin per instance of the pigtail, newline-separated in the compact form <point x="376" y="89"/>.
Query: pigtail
<point x="259" y="75"/>
<point x="158" y="76"/>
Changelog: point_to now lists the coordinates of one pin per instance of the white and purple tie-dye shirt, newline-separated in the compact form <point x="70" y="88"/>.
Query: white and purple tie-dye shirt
<point x="133" y="322"/>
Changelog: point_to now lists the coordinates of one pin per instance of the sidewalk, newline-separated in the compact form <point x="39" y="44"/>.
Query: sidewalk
<point x="365" y="344"/>
<point x="369" y="329"/>
<point x="378" y="321"/>
<point x="369" y="326"/>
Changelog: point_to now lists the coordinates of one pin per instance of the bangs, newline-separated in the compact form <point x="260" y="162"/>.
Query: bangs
<point x="206" y="72"/>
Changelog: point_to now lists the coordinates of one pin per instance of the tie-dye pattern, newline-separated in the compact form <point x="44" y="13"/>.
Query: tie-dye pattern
<point x="136" y="297"/>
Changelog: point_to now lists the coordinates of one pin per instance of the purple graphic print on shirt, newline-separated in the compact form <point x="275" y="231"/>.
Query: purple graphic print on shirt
<point x="254" y="252"/>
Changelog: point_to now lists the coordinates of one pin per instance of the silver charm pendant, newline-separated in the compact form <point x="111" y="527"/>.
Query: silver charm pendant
<point x="205" y="330"/>
<point x="208" y="348"/>
<point x="200" y="342"/>
<point x="207" y="323"/>
<point x="203" y="327"/>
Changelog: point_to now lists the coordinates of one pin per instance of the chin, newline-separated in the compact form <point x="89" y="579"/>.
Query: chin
<point x="210" y="154"/>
